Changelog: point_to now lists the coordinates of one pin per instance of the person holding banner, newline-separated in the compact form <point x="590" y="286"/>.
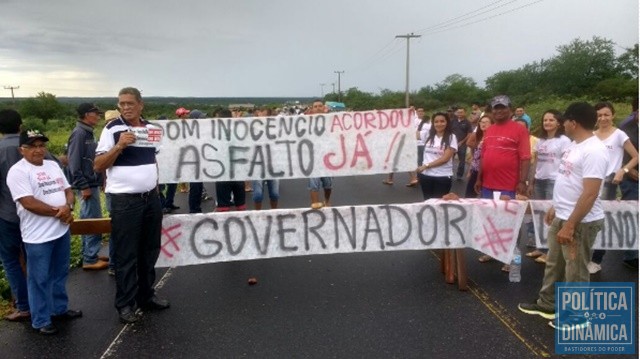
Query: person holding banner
<point x="577" y="215"/>
<point x="316" y="183"/>
<point x="546" y="158"/>
<point x="617" y="144"/>
<point x="505" y="158"/>
<point x="127" y="152"/>
<point x="440" y="145"/>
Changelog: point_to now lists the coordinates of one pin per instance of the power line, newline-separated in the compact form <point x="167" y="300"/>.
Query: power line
<point x="464" y="17"/>
<point x="483" y="19"/>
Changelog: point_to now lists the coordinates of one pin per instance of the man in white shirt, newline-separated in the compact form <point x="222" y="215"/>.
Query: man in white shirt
<point x="576" y="216"/>
<point x="44" y="203"/>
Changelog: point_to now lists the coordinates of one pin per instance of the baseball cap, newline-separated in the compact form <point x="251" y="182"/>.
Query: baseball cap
<point x="501" y="100"/>
<point x="87" y="107"/>
<point x="182" y="111"/>
<point x="28" y="137"/>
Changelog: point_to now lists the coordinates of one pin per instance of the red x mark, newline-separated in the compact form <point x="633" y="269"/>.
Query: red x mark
<point x="166" y="232"/>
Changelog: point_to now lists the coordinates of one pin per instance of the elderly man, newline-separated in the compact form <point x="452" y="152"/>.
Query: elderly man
<point x="576" y="216"/>
<point x="45" y="207"/>
<point x="505" y="159"/>
<point x="87" y="183"/>
<point x="127" y="152"/>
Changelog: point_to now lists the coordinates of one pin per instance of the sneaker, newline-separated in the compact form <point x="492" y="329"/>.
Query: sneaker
<point x="535" y="309"/>
<point x="570" y="324"/>
<point x="593" y="267"/>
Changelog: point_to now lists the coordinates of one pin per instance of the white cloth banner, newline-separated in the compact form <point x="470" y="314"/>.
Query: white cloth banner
<point x="489" y="226"/>
<point x="301" y="146"/>
<point x="620" y="230"/>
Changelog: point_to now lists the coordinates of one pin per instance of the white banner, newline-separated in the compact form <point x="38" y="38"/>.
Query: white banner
<point x="489" y="226"/>
<point x="332" y="144"/>
<point x="620" y="230"/>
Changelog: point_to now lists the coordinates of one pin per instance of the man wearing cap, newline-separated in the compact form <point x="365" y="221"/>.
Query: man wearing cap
<point x="505" y="158"/>
<point x="44" y="202"/>
<point x="86" y="182"/>
<point x="127" y="152"/>
<point x="506" y="154"/>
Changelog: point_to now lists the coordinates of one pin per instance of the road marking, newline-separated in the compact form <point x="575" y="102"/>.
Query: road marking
<point x="509" y="321"/>
<point x="111" y="350"/>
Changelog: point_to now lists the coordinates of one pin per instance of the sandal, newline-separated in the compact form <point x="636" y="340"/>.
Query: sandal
<point x="505" y="268"/>
<point x="542" y="259"/>
<point x="390" y="183"/>
<point x="412" y="184"/>
<point x="485" y="258"/>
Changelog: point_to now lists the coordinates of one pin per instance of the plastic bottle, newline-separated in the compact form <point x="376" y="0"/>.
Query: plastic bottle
<point x="516" y="265"/>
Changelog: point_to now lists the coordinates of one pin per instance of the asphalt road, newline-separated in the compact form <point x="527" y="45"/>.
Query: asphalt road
<point x="374" y="305"/>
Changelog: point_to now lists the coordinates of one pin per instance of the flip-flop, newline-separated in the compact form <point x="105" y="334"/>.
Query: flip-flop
<point x="485" y="258"/>
<point x="390" y="183"/>
<point x="412" y="184"/>
<point x="505" y="268"/>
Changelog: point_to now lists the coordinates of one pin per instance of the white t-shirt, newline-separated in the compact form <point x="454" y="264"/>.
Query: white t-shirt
<point x="615" y="149"/>
<point x="587" y="159"/>
<point x="548" y="154"/>
<point x="45" y="183"/>
<point x="433" y="151"/>
<point x="423" y="132"/>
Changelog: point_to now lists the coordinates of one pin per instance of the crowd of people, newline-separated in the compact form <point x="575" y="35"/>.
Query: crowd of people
<point x="574" y="159"/>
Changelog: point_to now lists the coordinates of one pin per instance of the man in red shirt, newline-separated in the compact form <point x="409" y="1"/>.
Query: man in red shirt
<point x="506" y="154"/>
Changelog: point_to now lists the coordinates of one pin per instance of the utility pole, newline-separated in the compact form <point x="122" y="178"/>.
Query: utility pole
<point x="322" y="90"/>
<point x="12" y="96"/>
<point x="339" y="93"/>
<point x="333" y="86"/>
<point x="406" y="88"/>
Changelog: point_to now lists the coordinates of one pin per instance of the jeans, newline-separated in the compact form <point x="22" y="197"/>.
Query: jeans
<point x="488" y="193"/>
<point x="168" y="197"/>
<point x="420" y="155"/>
<point x="195" y="197"/>
<point x="11" y="248"/>
<point x="434" y="187"/>
<point x="470" y="191"/>
<point x="316" y="183"/>
<point x="91" y="243"/>
<point x="136" y="224"/>
<point x="273" y="186"/>
<point x="47" y="271"/>
<point x="560" y="266"/>
<point x="543" y="188"/>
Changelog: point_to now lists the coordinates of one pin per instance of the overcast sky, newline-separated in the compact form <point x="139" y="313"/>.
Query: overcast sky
<point x="222" y="48"/>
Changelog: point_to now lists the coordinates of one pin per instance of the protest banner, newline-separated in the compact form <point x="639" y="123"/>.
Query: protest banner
<point x="282" y="147"/>
<point x="489" y="226"/>
<point x="620" y="230"/>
